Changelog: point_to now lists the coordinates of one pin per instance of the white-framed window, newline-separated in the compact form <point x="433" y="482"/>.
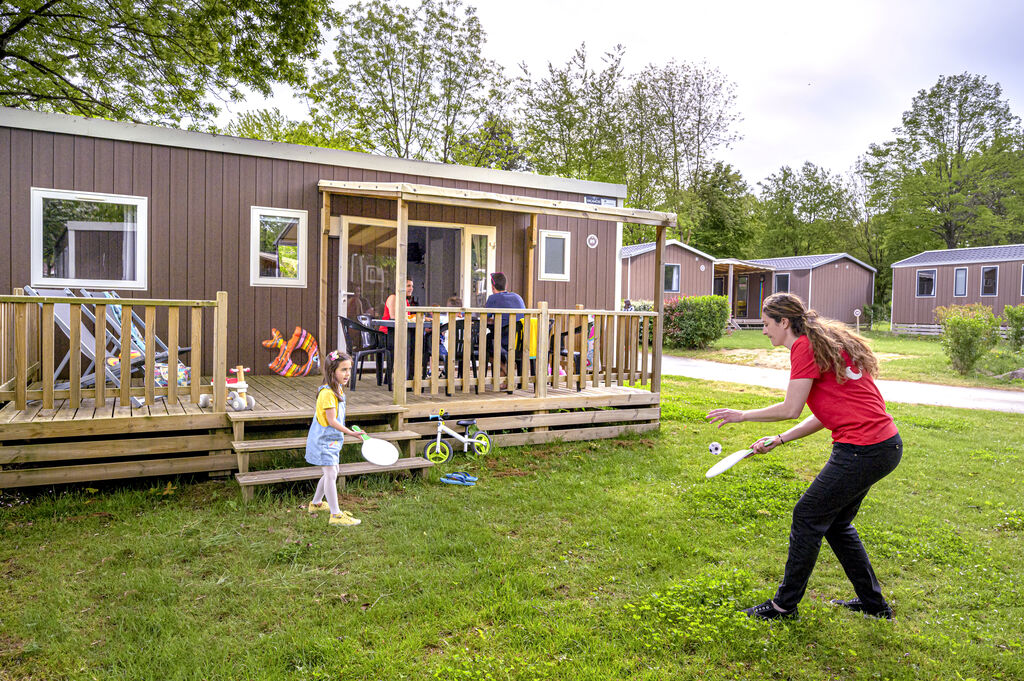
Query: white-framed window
<point x="672" y="278"/>
<point x="88" y="239"/>
<point x="554" y="255"/>
<point x="990" y="280"/>
<point x="782" y="283"/>
<point x="925" y="284"/>
<point x="277" y="247"/>
<point x="1022" y="279"/>
<point x="960" y="282"/>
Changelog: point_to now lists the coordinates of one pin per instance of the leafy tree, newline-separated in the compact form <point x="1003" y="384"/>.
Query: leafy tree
<point x="409" y="82"/>
<point x="804" y="213"/>
<point x="493" y="145"/>
<point x="271" y="124"/>
<point x="726" y="225"/>
<point x="572" y="121"/>
<point x="152" y="60"/>
<point x="953" y="165"/>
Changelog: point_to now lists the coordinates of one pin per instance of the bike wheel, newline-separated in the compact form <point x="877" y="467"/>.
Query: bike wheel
<point x="481" y="443"/>
<point x="438" y="452"/>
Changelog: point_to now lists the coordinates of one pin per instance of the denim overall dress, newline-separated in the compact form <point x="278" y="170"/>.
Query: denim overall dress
<point x="323" y="444"/>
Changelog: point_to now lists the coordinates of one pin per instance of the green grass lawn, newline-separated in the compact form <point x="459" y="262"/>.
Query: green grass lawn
<point x="601" y="560"/>
<point x="904" y="358"/>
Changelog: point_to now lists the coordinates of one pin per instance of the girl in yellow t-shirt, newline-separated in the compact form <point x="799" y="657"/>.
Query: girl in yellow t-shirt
<point x="327" y="434"/>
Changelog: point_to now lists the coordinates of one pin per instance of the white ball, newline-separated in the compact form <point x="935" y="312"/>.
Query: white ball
<point x="715" y="448"/>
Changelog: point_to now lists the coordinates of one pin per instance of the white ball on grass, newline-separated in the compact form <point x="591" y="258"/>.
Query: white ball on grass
<point x="715" y="448"/>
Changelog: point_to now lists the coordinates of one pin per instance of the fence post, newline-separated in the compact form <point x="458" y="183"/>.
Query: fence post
<point x="541" y="386"/>
<point x="220" y="353"/>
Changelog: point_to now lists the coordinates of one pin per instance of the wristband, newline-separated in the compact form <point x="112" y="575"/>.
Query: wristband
<point x="781" y="441"/>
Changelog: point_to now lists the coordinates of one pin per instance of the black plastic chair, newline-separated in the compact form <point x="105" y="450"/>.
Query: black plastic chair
<point x="364" y="342"/>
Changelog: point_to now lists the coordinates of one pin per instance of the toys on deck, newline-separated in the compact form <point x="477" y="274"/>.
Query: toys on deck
<point x="300" y="340"/>
<point x="238" y="397"/>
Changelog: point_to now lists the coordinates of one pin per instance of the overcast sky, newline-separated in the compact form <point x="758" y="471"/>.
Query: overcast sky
<point x="815" y="80"/>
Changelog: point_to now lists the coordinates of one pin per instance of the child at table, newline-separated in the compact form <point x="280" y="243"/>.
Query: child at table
<point x="327" y="434"/>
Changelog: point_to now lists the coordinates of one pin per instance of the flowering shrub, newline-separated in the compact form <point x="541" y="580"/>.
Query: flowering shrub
<point x="695" y="322"/>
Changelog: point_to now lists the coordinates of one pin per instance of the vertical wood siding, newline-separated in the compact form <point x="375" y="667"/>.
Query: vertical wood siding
<point x="638" y="274"/>
<point x="839" y="288"/>
<point x="199" y="231"/>
<point x="909" y="309"/>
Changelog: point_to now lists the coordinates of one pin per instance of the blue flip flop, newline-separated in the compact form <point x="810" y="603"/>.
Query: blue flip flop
<point x="449" y="479"/>
<point x="464" y="476"/>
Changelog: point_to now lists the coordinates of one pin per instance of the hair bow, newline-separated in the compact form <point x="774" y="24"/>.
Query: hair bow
<point x="334" y="355"/>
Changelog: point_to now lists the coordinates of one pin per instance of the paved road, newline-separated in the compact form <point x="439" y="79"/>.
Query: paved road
<point x="893" y="391"/>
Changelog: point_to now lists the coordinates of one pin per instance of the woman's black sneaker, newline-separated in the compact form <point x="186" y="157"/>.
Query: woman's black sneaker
<point x="856" y="605"/>
<point x="767" y="611"/>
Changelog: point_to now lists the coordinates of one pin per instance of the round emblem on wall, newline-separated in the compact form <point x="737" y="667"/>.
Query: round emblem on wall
<point x="592" y="241"/>
<point x="702" y="268"/>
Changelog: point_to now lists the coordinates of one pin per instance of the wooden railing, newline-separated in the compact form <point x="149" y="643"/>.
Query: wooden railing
<point x="544" y="349"/>
<point x="29" y="333"/>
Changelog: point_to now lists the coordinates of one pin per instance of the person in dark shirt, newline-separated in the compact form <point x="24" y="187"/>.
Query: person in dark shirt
<point x="506" y="300"/>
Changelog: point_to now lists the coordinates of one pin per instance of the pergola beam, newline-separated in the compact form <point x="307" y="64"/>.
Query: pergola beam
<point x="420" y="193"/>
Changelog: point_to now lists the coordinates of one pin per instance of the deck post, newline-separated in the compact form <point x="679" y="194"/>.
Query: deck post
<point x="401" y="356"/>
<point x="541" y="384"/>
<point x="325" y="230"/>
<point x="220" y="353"/>
<point x="531" y="248"/>
<point x="732" y="307"/>
<point x="659" y="307"/>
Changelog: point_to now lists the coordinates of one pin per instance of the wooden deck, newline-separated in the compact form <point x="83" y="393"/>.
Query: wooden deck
<point x="67" y="445"/>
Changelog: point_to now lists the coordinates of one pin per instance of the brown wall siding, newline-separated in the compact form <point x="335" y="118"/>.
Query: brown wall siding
<point x="799" y="282"/>
<point x="638" y="274"/>
<point x="908" y="309"/>
<point x="199" y="206"/>
<point x="837" y="291"/>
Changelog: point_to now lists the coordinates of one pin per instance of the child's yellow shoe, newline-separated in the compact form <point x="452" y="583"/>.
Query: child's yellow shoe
<point x="322" y="506"/>
<point x="343" y="518"/>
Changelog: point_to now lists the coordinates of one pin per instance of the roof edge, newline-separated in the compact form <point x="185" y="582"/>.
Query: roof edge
<point x="835" y="256"/>
<point x="673" y="242"/>
<point x="174" y="137"/>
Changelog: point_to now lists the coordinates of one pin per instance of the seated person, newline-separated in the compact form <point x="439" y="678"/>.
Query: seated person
<point x="357" y="304"/>
<point x="390" y="303"/>
<point x="500" y="298"/>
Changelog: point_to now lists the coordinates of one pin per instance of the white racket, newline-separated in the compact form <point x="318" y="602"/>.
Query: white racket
<point x="728" y="462"/>
<point x="376" y="451"/>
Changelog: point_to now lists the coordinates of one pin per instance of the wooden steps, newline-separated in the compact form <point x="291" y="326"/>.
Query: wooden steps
<point x="248" y="480"/>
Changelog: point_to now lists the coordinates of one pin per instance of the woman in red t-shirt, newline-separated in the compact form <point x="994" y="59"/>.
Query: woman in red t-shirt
<point x="832" y="371"/>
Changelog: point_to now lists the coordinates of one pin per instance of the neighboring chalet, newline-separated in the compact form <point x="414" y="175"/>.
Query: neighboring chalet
<point x="992" y="275"/>
<point x="213" y="241"/>
<point x="687" y="271"/>
<point x="833" y="284"/>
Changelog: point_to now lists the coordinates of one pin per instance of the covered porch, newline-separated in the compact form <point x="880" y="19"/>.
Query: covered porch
<point x="746" y="285"/>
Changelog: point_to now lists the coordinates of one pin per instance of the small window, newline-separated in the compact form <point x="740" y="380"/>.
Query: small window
<point x="554" y="255"/>
<point x="926" y="283"/>
<point x="989" y="281"/>
<point x="960" y="282"/>
<point x="88" y="239"/>
<point x="782" y="283"/>
<point x="1022" y="280"/>
<point x="277" y="247"/>
<point x="671" y="278"/>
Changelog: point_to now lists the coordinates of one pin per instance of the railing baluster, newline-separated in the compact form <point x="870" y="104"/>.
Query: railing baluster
<point x="541" y="375"/>
<point x="149" y="336"/>
<point x="417" y="355"/>
<point x="643" y="332"/>
<point x="620" y="349"/>
<point x="609" y="355"/>
<point x="172" y="355"/>
<point x="75" y="357"/>
<point x="467" y="349"/>
<point x="524" y="373"/>
<point x="99" y="369"/>
<point x="126" y="355"/>
<point x="481" y="354"/>
<point x="450" y="347"/>
<point x="220" y="353"/>
<point x="556" y="353"/>
<point x="196" y="353"/>
<point x="496" y="353"/>
<point x="570" y="349"/>
<point x="21" y="355"/>
<point x="435" y="350"/>
<point x="46" y="328"/>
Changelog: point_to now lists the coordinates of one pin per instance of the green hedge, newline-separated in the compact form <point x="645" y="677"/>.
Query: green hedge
<point x="695" y="322"/>
<point x="968" y="333"/>
<point x="1014" y="316"/>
